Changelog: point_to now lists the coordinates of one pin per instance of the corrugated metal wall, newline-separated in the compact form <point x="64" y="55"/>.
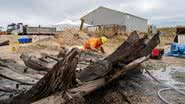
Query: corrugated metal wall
<point x="105" y="16"/>
<point x="135" y="23"/>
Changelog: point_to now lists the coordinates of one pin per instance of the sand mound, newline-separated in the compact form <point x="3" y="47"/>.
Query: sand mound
<point x="48" y="43"/>
<point x="67" y="38"/>
<point x="71" y="37"/>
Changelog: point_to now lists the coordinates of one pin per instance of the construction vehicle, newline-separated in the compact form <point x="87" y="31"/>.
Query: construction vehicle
<point x="21" y="29"/>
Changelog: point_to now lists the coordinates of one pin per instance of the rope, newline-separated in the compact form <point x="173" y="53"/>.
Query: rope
<point x="169" y="87"/>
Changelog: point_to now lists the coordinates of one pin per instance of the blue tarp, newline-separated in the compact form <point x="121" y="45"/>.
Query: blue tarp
<point x="177" y="50"/>
<point x="25" y="40"/>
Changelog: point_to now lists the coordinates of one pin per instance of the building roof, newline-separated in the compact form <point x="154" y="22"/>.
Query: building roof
<point x="113" y="11"/>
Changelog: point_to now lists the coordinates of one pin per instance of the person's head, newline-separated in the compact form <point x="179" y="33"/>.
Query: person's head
<point x="103" y="39"/>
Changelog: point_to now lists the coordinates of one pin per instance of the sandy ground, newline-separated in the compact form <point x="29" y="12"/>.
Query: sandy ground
<point x="139" y="89"/>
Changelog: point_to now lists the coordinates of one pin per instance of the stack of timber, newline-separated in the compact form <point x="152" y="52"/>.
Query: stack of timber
<point x="62" y="85"/>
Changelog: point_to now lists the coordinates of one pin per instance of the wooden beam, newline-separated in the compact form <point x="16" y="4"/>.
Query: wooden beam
<point x="81" y="25"/>
<point x="6" y="42"/>
<point x="36" y="63"/>
<point x="60" y="78"/>
<point x="8" y="89"/>
<point x="94" y="76"/>
<point x="89" y="87"/>
<point x="20" y="78"/>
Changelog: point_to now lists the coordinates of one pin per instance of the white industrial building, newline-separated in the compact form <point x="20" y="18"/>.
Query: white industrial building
<point x="104" y="16"/>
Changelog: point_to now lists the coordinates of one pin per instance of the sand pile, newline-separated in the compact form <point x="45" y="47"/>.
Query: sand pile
<point x="67" y="38"/>
<point x="48" y="43"/>
<point x="71" y="37"/>
<point x="11" y="38"/>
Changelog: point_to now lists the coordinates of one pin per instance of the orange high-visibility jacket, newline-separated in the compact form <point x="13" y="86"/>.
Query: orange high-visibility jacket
<point x="92" y="42"/>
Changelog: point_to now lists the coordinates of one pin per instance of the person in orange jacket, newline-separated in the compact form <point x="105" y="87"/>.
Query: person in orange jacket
<point x="95" y="44"/>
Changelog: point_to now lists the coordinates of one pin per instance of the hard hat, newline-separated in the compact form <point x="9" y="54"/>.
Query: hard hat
<point x="103" y="39"/>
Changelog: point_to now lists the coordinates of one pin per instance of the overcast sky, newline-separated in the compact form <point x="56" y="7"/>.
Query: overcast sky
<point x="49" y="12"/>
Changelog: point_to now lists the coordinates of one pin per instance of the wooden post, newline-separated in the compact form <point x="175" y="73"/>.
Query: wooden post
<point x="59" y="79"/>
<point x="81" y="26"/>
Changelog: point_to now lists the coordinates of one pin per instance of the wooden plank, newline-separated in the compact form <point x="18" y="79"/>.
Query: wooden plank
<point x="19" y="68"/>
<point x="20" y="78"/>
<point x="61" y="77"/>
<point x="4" y="43"/>
<point x="8" y="89"/>
<point x="89" y="87"/>
<point x="36" y="63"/>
